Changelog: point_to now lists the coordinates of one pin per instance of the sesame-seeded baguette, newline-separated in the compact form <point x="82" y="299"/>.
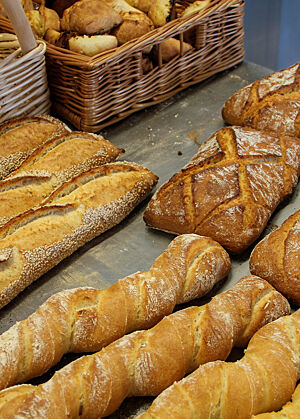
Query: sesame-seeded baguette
<point x="20" y="137"/>
<point x="276" y="258"/>
<point x="86" y="319"/>
<point x="91" y="203"/>
<point x="290" y="410"/>
<point x="270" y="104"/>
<point x="55" y="162"/>
<point x="263" y="380"/>
<point x="146" y="362"/>
<point x="229" y="189"/>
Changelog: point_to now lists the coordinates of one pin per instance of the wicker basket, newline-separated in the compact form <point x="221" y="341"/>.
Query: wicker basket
<point x="96" y="92"/>
<point x="23" y="79"/>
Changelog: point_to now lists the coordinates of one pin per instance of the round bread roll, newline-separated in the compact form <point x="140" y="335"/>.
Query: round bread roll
<point x="92" y="45"/>
<point x="161" y="11"/>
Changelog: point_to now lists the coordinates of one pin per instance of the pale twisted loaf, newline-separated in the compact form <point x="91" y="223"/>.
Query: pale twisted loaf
<point x="276" y="258"/>
<point x="85" y="320"/>
<point x="263" y="380"/>
<point x="229" y="189"/>
<point x="146" y="362"/>
<point x="270" y="104"/>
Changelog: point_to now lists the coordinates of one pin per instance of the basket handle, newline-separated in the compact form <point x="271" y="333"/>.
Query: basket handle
<point x="19" y="21"/>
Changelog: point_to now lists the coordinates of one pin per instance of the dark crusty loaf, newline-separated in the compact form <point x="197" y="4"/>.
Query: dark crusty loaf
<point x="277" y="258"/>
<point x="81" y="209"/>
<point x="86" y="319"/>
<point x="229" y="189"/>
<point x="146" y="362"/>
<point x="20" y="137"/>
<point x="271" y="104"/>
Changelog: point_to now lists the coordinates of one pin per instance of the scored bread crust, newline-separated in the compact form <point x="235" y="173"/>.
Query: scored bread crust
<point x="86" y="319"/>
<point x="276" y="258"/>
<point x="229" y="189"/>
<point x="271" y="104"/>
<point x="146" y="362"/>
<point x="20" y="137"/>
<point x="91" y="203"/>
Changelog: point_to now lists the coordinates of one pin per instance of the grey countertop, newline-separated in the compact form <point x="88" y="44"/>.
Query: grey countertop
<point x="162" y="138"/>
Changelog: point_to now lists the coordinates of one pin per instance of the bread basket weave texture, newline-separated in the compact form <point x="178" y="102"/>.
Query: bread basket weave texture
<point x="94" y="92"/>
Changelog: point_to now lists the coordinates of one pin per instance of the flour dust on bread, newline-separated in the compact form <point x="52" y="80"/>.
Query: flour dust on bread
<point x="270" y="104"/>
<point x="263" y="380"/>
<point x="230" y="188"/>
<point x="146" y="362"/>
<point x="276" y="258"/>
<point x="86" y="319"/>
<point x="81" y="209"/>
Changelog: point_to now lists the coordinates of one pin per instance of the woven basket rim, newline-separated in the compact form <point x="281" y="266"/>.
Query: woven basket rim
<point x="17" y="55"/>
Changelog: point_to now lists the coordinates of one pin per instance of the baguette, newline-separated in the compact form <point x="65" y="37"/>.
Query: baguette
<point x="95" y="385"/>
<point x="20" y="137"/>
<point x="289" y="411"/>
<point x="55" y="162"/>
<point x="276" y="258"/>
<point x="85" y="320"/>
<point x="229" y="189"/>
<point x="263" y="380"/>
<point x="270" y="104"/>
<point x="81" y="209"/>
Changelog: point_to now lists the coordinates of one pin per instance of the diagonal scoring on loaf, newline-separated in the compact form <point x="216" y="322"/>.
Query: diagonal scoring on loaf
<point x="86" y="319"/>
<point x="263" y="380"/>
<point x="230" y="187"/>
<point x="95" y="385"/>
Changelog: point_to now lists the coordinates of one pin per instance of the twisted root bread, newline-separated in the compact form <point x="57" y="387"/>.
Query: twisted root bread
<point x="290" y="410"/>
<point x="95" y="385"/>
<point x="277" y="258"/>
<point x="20" y="137"/>
<point x="263" y="380"/>
<point x="229" y="189"/>
<point x="85" y="320"/>
<point x="81" y="209"/>
<point x="271" y="104"/>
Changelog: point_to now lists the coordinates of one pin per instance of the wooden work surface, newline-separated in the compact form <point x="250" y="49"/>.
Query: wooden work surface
<point x="162" y="138"/>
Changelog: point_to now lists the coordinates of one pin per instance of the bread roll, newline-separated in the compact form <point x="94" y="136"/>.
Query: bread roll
<point x="162" y="11"/>
<point x="81" y="209"/>
<point x="146" y="362"/>
<point x="92" y="45"/>
<point x="20" y="137"/>
<point x="277" y="258"/>
<point x="229" y="189"/>
<point x="196" y="6"/>
<point x="170" y="48"/>
<point x="86" y="319"/>
<point x="271" y="104"/>
<point x="263" y="380"/>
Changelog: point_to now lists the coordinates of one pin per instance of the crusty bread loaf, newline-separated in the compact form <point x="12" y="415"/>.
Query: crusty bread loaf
<point x="19" y="138"/>
<point x="276" y="258"/>
<point x="86" y="319"/>
<point x="162" y="11"/>
<point x="229" y="189"/>
<point x="263" y="380"/>
<point x="291" y="410"/>
<point x="81" y="209"/>
<point x="146" y="362"/>
<point x="270" y="104"/>
<point x="53" y="163"/>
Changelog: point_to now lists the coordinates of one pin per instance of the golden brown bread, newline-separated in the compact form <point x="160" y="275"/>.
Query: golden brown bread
<point x="81" y="209"/>
<point x="271" y="104"/>
<point x="146" y="362"/>
<point x="230" y="188"/>
<point x="92" y="45"/>
<point x="162" y="11"/>
<point x="20" y="137"/>
<point x="263" y="380"/>
<point x="87" y="17"/>
<point x="276" y="258"/>
<point x="170" y="48"/>
<point x="86" y="319"/>
<point x="291" y="410"/>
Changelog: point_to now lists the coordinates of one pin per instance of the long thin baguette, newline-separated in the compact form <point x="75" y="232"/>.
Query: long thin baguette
<point x="146" y="362"/>
<point x="263" y="380"/>
<point x="91" y="203"/>
<point x="19" y="138"/>
<point x="291" y="410"/>
<point x="86" y="319"/>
